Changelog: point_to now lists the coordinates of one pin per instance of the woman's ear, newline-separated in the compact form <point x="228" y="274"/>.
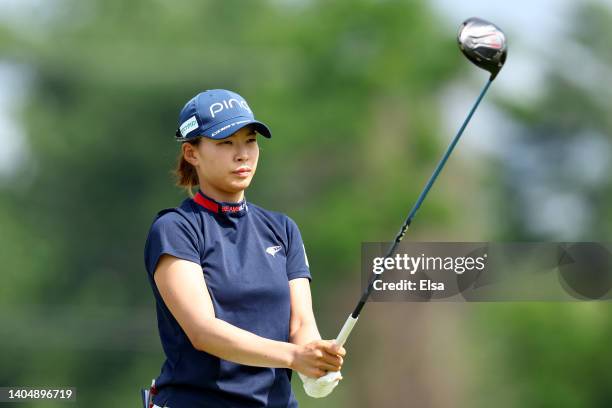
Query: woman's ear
<point x="190" y="154"/>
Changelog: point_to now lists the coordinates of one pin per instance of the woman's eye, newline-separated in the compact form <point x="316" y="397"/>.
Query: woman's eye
<point x="252" y="140"/>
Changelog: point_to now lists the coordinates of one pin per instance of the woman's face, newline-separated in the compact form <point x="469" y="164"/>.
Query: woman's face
<point x="226" y="166"/>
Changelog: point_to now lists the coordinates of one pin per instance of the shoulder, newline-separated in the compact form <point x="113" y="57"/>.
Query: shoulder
<point x="176" y="218"/>
<point x="283" y="226"/>
<point x="279" y="219"/>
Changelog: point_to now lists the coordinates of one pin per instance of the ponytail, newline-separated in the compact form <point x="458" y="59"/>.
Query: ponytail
<point x="186" y="175"/>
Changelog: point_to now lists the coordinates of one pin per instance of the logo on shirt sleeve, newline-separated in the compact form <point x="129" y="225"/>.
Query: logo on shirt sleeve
<point x="305" y="257"/>
<point x="273" y="250"/>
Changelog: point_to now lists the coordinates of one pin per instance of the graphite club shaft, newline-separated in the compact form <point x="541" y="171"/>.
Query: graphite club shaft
<point x="352" y="319"/>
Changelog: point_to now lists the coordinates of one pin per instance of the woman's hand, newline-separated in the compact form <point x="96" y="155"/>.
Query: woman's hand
<point x="317" y="357"/>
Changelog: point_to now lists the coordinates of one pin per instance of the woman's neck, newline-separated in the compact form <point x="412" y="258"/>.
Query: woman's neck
<point x="222" y="196"/>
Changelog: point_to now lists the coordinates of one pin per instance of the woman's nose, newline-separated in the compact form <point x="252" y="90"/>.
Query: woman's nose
<point x="242" y="153"/>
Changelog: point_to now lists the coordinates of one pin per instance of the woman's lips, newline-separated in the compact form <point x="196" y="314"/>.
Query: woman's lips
<point x="243" y="172"/>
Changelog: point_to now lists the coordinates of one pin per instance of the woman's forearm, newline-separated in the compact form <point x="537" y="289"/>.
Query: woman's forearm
<point x="305" y="333"/>
<point x="226" y="341"/>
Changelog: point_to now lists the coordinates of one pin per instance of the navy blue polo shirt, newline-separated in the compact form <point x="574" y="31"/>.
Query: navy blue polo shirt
<point x="248" y="255"/>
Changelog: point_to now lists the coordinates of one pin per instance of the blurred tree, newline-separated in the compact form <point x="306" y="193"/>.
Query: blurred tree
<point x="556" y="186"/>
<point x="349" y="90"/>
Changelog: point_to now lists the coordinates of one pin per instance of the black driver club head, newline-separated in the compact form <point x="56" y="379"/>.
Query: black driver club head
<point x="484" y="44"/>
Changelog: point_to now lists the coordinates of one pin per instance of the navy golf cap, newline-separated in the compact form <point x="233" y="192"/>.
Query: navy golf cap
<point x="216" y="114"/>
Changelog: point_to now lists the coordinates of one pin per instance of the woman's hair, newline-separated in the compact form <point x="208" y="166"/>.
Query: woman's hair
<point x="186" y="175"/>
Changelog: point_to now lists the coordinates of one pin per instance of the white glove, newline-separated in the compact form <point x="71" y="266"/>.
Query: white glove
<point x="322" y="386"/>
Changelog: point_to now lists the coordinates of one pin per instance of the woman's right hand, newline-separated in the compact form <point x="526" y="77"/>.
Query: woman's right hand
<point x="318" y="357"/>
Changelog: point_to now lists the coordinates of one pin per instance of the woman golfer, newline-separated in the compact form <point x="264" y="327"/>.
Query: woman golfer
<point x="230" y="279"/>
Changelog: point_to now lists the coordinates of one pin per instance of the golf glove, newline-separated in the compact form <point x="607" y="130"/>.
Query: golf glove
<point x="322" y="386"/>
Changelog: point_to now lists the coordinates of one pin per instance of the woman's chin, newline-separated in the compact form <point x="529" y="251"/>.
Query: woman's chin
<point x="236" y="186"/>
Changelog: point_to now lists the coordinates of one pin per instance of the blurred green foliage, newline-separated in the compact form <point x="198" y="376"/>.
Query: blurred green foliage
<point x="351" y="91"/>
<point x="555" y="355"/>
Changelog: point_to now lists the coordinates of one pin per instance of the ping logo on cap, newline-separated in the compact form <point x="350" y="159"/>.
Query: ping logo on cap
<point x="216" y="114"/>
<point x="227" y="104"/>
<point x="189" y="125"/>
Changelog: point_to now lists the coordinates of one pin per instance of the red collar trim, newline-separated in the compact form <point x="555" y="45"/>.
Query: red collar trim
<point x="219" y="207"/>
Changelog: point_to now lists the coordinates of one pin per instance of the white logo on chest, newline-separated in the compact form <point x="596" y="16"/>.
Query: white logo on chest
<point x="273" y="250"/>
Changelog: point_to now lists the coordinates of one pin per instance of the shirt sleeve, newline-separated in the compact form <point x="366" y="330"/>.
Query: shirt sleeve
<point x="297" y="261"/>
<point x="170" y="234"/>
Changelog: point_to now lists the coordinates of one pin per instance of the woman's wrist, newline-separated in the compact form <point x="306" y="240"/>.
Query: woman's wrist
<point x="305" y="334"/>
<point x="290" y="351"/>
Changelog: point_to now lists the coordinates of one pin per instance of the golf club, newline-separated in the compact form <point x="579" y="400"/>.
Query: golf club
<point x="484" y="44"/>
